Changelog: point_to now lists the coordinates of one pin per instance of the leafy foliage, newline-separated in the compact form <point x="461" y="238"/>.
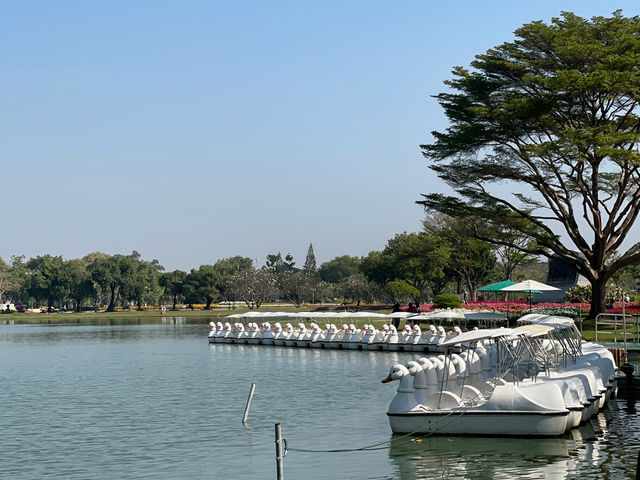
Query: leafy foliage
<point x="227" y="267"/>
<point x="357" y="288"/>
<point x="254" y="286"/>
<point x="579" y="293"/>
<point x="446" y="300"/>
<point x="339" y="268"/>
<point x="202" y="285"/>
<point x="471" y="261"/>
<point x="174" y="284"/>
<point x="310" y="260"/>
<point x="6" y="280"/>
<point x="48" y="279"/>
<point x="401" y="291"/>
<point x="555" y="114"/>
<point x="415" y="258"/>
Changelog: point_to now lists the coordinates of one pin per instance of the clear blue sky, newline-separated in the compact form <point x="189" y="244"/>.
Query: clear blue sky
<point x="196" y="130"/>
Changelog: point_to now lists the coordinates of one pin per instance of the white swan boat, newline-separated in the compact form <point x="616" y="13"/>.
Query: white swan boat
<point x="536" y="410"/>
<point x="530" y="381"/>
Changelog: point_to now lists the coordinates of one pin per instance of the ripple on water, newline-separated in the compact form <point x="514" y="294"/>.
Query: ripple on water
<point x="158" y="402"/>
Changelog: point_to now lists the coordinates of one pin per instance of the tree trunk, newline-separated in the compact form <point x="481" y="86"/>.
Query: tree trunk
<point x="208" y="306"/>
<point x="175" y="300"/>
<point x="598" y="293"/>
<point x="112" y="298"/>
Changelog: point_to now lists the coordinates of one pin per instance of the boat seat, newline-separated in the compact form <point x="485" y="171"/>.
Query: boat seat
<point x="443" y="400"/>
<point x="470" y="395"/>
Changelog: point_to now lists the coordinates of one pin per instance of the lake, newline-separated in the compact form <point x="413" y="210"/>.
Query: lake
<point x="158" y="402"/>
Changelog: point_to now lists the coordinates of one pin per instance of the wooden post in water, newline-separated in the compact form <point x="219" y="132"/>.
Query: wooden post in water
<point x="246" y="409"/>
<point x="279" y="455"/>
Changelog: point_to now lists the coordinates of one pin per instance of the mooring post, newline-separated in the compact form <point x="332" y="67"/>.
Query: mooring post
<point x="246" y="409"/>
<point x="279" y="455"/>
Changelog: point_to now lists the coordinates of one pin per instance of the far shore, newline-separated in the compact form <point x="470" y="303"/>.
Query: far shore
<point x="147" y="314"/>
<point x="196" y="316"/>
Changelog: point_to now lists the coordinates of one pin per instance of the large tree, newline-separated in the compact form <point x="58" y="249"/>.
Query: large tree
<point x="254" y="286"/>
<point x="81" y="286"/>
<point x="310" y="261"/>
<point x="173" y="284"/>
<point x="18" y="279"/>
<point x="48" y="279"/>
<point x="357" y="288"/>
<point x="339" y="268"/>
<point x="415" y="258"/>
<point x="115" y="275"/>
<point x="6" y="282"/>
<point x="227" y="267"/>
<point x="554" y="117"/>
<point x="142" y="284"/>
<point x="470" y="262"/>
<point x="202" y="285"/>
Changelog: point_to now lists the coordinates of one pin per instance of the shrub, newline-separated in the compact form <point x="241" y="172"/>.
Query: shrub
<point x="446" y="300"/>
<point x="401" y="291"/>
<point x="579" y="294"/>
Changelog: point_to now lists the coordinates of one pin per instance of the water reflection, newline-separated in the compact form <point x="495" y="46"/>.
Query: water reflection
<point x="29" y="335"/>
<point x="591" y="451"/>
<point x="475" y="457"/>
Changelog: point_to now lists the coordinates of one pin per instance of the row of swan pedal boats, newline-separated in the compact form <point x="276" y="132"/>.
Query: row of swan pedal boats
<point x="411" y="338"/>
<point x="539" y="379"/>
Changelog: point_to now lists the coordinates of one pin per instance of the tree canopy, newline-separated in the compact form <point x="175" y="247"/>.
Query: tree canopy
<point x="552" y="116"/>
<point x="339" y="268"/>
<point x="469" y="261"/>
<point x="415" y="258"/>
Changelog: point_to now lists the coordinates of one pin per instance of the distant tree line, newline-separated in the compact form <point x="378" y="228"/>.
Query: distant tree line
<point x="411" y="267"/>
<point x="445" y="257"/>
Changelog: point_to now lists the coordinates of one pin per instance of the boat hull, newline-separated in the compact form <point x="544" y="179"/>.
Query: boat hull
<point x="498" y="423"/>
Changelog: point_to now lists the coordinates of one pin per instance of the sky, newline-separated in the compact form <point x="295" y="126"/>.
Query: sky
<point x="193" y="130"/>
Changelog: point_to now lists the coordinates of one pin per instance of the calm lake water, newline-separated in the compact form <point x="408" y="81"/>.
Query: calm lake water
<point x="159" y="402"/>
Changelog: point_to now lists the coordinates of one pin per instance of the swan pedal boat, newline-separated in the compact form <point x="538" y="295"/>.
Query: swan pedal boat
<point x="483" y="391"/>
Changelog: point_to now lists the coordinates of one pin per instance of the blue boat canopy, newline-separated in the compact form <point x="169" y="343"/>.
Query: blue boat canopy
<point x="496" y="287"/>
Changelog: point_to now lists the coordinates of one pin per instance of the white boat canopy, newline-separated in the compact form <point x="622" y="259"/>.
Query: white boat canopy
<point x="254" y="314"/>
<point x="485" y="316"/>
<point x="556" y="321"/>
<point x="440" y="315"/>
<point x="531" y="318"/>
<point x="483" y="334"/>
<point x="399" y="314"/>
<point x="535" y="330"/>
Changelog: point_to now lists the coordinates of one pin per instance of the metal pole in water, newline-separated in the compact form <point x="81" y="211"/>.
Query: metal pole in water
<point x="279" y="456"/>
<point x="246" y="409"/>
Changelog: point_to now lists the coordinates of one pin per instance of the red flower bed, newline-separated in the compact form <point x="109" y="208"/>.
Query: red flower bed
<point x="632" y="308"/>
<point x="522" y="305"/>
